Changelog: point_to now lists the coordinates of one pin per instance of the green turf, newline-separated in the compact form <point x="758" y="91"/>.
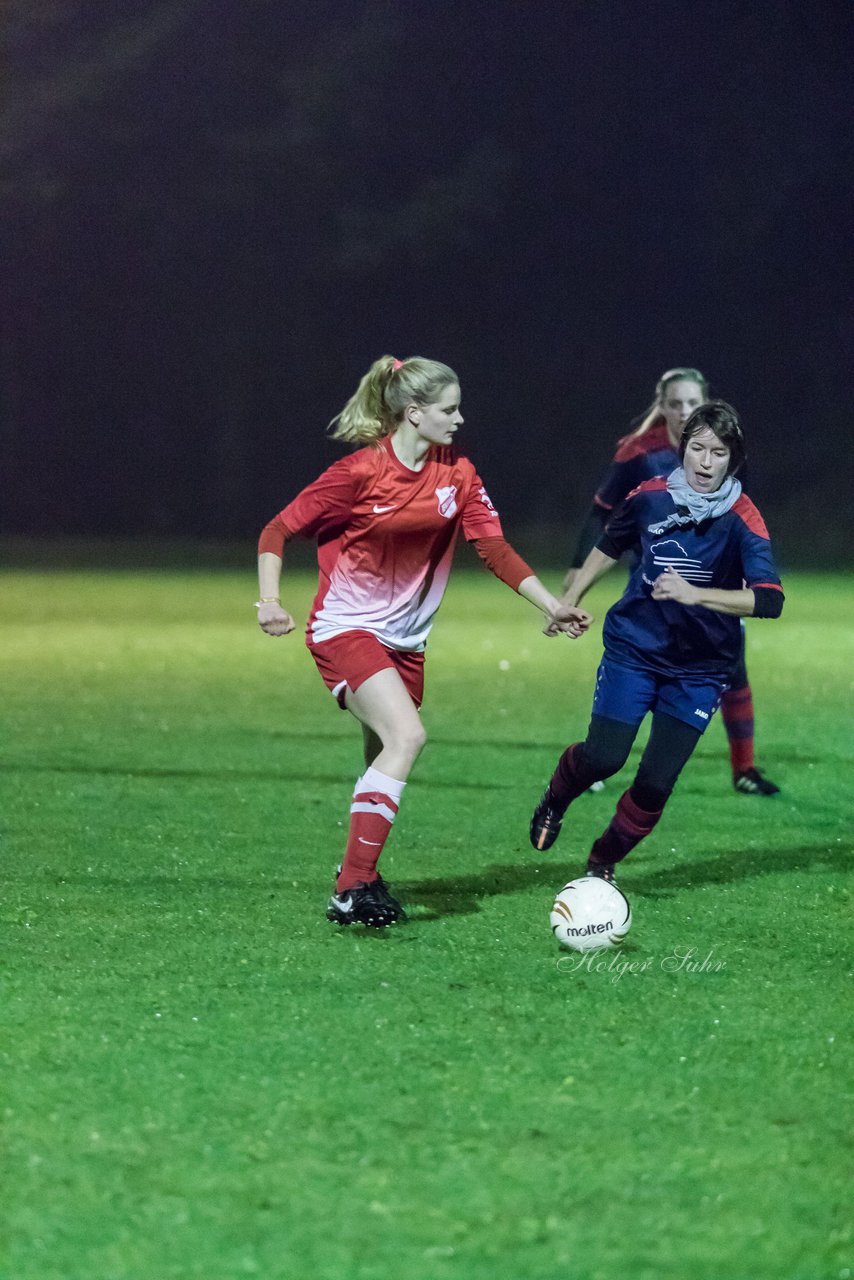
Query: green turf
<point x="202" y="1078"/>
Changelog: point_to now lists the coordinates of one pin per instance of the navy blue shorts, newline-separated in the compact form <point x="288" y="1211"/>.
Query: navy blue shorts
<point x="627" y="693"/>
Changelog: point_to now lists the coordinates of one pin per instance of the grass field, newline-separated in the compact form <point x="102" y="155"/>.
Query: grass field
<point x="203" y="1078"/>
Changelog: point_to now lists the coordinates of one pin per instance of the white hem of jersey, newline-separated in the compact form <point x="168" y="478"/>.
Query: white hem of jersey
<point x="342" y="684"/>
<point x="330" y="631"/>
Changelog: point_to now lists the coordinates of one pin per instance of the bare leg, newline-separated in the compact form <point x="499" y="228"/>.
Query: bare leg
<point x="393" y="737"/>
<point x="372" y="745"/>
<point x="386" y="710"/>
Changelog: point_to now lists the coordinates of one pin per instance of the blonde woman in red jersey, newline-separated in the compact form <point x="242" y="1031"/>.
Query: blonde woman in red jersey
<point x="386" y="519"/>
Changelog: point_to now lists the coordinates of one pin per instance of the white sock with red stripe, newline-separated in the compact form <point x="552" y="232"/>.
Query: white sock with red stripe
<point x="376" y="800"/>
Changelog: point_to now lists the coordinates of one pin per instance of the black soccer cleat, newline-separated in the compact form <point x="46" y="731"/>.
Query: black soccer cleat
<point x="750" y="782"/>
<point x="369" y="904"/>
<point x="546" y="821"/>
<point x="602" y="871"/>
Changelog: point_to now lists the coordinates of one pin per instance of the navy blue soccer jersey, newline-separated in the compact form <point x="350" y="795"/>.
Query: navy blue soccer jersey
<point x="727" y="553"/>
<point x="637" y="458"/>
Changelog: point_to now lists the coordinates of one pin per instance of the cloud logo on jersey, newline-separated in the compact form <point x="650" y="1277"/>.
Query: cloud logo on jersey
<point x="447" y="500"/>
<point x="671" y="554"/>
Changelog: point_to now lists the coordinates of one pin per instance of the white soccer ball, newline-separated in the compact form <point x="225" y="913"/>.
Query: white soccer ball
<point x="590" y="913"/>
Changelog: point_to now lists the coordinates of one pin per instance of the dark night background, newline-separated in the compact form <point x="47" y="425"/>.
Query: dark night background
<point x="217" y="214"/>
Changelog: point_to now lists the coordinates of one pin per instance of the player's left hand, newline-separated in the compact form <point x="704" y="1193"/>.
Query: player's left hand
<point x="670" y="585"/>
<point x="569" y="619"/>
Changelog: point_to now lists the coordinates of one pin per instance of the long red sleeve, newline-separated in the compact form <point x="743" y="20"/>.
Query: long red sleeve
<point x="274" y="536"/>
<point x="500" y="558"/>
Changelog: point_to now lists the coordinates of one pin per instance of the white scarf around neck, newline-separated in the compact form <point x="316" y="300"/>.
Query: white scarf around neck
<point x="693" y="507"/>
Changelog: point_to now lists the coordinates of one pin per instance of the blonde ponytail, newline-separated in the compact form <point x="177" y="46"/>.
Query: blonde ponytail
<point x="653" y="413"/>
<point x="376" y="407"/>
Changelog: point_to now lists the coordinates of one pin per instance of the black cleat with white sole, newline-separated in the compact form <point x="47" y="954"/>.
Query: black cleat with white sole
<point x="369" y="904"/>
<point x="546" y="821"/>
<point x="750" y="782"/>
<point x="601" y="870"/>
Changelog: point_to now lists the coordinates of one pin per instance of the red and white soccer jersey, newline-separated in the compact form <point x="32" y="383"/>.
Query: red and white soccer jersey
<point x="386" y="537"/>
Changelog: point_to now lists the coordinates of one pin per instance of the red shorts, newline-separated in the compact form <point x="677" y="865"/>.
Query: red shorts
<point x="348" y="660"/>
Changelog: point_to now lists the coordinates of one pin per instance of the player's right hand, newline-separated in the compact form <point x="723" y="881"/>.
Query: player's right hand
<point x="275" y="620"/>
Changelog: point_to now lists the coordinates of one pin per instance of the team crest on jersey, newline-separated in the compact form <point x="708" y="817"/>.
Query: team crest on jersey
<point x="670" y="554"/>
<point x="447" y="500"/>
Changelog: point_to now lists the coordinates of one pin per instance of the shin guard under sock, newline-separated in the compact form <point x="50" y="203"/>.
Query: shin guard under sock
<point x="737" y="714"/>
<point x="571" y="777"/>
<point x="629" y="825"/>
<point x="375" y="803"/>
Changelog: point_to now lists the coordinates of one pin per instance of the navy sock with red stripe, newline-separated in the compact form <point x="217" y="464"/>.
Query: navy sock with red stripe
<point x="737" y="713"/>
<point x="629" y="825"/>
<point x="571" y="777"/>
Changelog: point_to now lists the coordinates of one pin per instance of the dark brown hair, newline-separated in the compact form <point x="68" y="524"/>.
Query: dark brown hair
<point x="722" y="419"/>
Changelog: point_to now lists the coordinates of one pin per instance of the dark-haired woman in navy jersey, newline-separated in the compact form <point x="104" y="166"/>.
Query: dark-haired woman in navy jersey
<point x="652" y="449"/>
<point x="672" y="639"/>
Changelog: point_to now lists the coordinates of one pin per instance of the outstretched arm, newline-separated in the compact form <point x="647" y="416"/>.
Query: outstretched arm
<point x="596" y="564"/>
<point x="590" y="534"/>
<point x="571" y="574"/>
<point x="500" y="558"/>
<point x="620" y="533"/>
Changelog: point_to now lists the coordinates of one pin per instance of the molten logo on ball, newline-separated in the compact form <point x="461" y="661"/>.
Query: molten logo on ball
<point x="590" y="913"/>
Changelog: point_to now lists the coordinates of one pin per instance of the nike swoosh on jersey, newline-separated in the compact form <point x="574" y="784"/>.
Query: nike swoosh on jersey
<point x="379" y="510"/>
